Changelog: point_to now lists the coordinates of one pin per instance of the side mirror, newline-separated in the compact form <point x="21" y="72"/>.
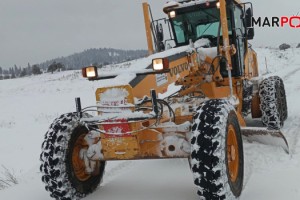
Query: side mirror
<point x="248" y="23"/>
<point x="160" y="37"/>
<point x="159" y="32"/>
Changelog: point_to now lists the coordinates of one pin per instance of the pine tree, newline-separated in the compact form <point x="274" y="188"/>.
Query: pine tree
<point x="1" y="76"/>
<point x="52" y="67"/>
<point x="29" y="70"/>
<point x="23" y="72"/>
<point x="10" y="70"/>
<point x="16" y="70"/>
<point x="56" y="67"/>
<point x="36" y="70"/>
<point x="13" y="75"/>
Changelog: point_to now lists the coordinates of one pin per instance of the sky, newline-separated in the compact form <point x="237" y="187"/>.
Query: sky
<point x="34" y="31"/>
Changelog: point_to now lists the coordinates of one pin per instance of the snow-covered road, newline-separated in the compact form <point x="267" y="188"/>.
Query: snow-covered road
<point x="29" y="105"/>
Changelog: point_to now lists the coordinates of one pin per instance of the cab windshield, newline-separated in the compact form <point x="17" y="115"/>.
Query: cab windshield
<point x="196" y="24"/>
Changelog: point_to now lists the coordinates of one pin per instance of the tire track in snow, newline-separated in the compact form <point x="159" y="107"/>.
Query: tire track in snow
<point x="290" y="74"/>
<point x="292" y="135"/>
<point x="248" y="171"/>
<point x="292" y="123"/>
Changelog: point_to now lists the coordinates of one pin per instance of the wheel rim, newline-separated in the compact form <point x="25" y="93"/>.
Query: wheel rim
<point x="78" y="163"/>
<point x="232" y="154"/>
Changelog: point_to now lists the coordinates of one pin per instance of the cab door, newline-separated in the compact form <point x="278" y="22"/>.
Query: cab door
<point x="238" y="40"/>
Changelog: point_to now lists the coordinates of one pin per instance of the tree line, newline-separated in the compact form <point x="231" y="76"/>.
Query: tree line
<point x="97" y="57"/>
<point x="16" y="72"/>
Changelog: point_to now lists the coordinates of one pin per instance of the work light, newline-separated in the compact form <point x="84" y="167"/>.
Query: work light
<point x="160" y="64"/>
<point x="172" y="14"/>
<point x="90" y="72"/>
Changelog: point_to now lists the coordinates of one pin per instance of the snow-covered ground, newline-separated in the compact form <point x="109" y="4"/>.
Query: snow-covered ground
<point x="29" y="105"/>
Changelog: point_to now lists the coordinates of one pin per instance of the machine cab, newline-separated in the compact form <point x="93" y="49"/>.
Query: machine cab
<point x="193" y="21"/>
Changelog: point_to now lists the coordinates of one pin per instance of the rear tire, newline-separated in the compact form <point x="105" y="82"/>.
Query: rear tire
<point x="63" y="171"/>
<point x="273" y="102"/>
<point x="217" y="151"/>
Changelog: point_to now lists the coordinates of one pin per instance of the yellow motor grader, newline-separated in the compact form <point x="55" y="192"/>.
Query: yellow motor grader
<point x="189" y="98"/>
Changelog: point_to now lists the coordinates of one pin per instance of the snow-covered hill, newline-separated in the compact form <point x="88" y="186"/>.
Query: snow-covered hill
<point x="29" y="105"/>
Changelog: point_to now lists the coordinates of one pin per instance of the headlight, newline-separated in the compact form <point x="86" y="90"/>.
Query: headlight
<point x="90" y="72"/>
<point x="160" y="64"/>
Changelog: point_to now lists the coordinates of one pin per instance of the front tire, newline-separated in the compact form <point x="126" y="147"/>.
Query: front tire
<point x="63" y="171"/>
<point x="217" y="151"/>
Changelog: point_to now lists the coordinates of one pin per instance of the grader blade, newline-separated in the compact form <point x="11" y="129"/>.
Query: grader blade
<point x="266" y="136"/>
